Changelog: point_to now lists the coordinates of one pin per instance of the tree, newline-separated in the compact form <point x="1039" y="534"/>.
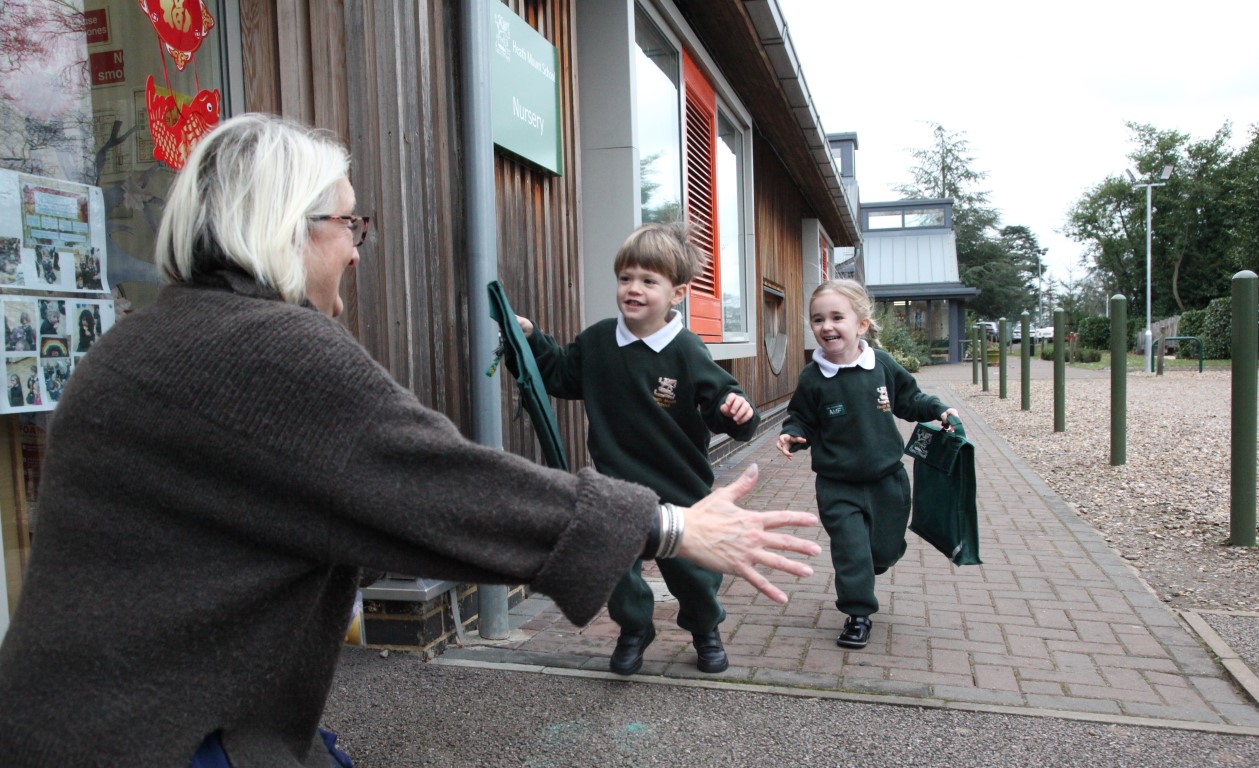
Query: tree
<point x="1194" y="251"/>
<point x="1003" y="267"/>
<point x="945" y="169"/>
<point x="1242" y="206"/>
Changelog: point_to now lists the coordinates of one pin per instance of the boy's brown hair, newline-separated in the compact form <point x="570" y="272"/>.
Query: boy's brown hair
<point x="663" y="248"/>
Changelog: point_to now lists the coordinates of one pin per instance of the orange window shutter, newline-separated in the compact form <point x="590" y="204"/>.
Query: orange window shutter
<point x="699" y="160"/>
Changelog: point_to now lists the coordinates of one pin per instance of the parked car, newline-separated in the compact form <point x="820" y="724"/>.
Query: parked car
<point x="989" y="328"/>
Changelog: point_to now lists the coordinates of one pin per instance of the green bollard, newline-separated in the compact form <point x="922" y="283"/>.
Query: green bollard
<point x="974" y="354"/>
<point x="1025" y="352"/>
<point x="1003" y="338"/>
<point x="1118" y="380"/>
<point x="1241" y="527"/>
<point x="1060" y="371"/>
<point x="983" y="356"/>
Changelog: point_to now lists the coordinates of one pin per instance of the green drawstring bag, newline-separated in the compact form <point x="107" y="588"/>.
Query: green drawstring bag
<point x="944" y="512"/>
<point x="520" y="362"/>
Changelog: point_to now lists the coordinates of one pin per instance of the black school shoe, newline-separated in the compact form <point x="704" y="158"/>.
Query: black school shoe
<point x="630" y="646"/>
<point x="856" y="633"/>
<point x="710" y="653"/>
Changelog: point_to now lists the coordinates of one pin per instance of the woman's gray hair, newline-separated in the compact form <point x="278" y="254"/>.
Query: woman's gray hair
<point x="243" y="199"/>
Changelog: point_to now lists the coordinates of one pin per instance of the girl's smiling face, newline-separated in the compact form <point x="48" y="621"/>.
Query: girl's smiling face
<point x="837" y="327"/>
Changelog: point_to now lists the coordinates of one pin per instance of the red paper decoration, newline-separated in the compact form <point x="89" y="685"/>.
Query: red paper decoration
<point x="181" y="26"/>
<point x="175" y="129"/>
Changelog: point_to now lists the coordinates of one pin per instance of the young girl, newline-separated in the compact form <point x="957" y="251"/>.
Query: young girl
<point x="842" y="410"/>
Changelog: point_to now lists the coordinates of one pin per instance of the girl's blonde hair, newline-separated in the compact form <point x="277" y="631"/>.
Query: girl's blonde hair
<point x="854" y="292"/>
<point x="662" y="248"/>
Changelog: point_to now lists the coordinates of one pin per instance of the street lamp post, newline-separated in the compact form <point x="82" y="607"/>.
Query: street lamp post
<point x="1040" y="285"/>
<point x="1149" y="239"/>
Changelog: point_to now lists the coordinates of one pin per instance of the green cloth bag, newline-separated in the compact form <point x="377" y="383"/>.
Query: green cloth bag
<point x="520" y="362"/>
<point x="944" y="512"/>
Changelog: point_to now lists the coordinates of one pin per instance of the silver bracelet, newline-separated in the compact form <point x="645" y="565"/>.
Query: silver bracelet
<point x="672" y="523"/>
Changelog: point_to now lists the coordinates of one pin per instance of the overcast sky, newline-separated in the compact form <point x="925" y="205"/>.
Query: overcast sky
<point x="1041" y="91"/>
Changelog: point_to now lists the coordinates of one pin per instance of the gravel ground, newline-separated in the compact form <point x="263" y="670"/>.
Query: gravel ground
<point x="1241" y="632"/>
<point x="1166" y="511"/>
<point x="396" y="711"/>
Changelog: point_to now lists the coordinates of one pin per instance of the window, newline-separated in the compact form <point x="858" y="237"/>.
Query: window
<point x="694" y="146"/>
<point x="925" y="217"/>
<point x="824" y="257"/>
<point x="730" y="227"/>
<point x="912" y="218"/>
<point x="883" y="220"/>
<point x="84" y="173"/>
<point x="659" y="124"/>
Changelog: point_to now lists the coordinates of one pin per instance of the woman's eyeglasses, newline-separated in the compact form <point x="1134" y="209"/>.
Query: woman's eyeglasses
<point x="357" y="225"/>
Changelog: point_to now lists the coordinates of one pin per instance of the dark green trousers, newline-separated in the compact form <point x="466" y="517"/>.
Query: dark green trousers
<point x="866" y="523"/>
<point x="632" y="602"/>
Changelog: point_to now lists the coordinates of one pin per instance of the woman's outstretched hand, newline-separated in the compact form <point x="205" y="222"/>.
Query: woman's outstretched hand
<point x="721" y="536"/>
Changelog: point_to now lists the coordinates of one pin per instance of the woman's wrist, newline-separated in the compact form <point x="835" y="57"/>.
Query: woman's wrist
<point x="665" y="538"/>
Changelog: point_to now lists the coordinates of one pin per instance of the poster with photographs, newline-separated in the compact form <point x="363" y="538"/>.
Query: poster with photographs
<point x="52" y="235"/>
<point x="44" y="339"/>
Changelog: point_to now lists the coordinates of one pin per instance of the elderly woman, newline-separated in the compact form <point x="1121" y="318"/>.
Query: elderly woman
<point x="226" y="460"/>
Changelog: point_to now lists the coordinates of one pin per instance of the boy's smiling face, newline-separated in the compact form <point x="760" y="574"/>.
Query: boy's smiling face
<point x="645" y="298"/>
<point x="837" y="327"/>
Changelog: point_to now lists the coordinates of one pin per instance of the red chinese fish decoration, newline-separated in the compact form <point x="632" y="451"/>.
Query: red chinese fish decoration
<point x="175" y="130"/>
<point x="181" y="25"/>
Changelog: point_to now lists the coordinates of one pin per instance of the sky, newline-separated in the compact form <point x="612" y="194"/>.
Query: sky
<point x="1040" y="91"/>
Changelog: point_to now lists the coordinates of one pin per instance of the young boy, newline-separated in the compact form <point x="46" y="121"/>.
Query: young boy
<point x="844" y="410"/>
<point x="652" y="394"/>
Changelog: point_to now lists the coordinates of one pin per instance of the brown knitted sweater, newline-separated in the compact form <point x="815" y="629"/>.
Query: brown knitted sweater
<point x="219" y="468"/>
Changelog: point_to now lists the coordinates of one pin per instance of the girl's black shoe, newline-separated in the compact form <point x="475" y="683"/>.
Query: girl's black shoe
<point x="856" y="633"/>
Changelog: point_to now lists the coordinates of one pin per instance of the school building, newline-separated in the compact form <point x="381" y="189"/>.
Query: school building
<point x="522" y="140"/>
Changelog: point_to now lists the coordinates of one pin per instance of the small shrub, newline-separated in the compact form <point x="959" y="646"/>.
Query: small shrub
<point x="908" y="362"/>
<point x="1192" y="321"/>
<point x="1217" y="330"/>
<point x="1073" y="354"/>
<point x="896" y="337"/>
<point x="1095" y="332"/>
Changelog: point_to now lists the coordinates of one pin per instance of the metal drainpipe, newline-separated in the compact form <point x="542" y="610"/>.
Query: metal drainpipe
<point x="481" y="217"/>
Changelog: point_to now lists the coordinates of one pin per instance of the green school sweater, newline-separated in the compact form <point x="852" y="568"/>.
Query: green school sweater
<point x="848" y="418"/>
<point x="650" y="413"/>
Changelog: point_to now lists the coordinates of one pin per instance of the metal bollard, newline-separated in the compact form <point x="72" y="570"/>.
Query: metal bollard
<point x="1118" y="380"/>
<point x="1060" y="371"/>
<point x="1241" y="527"/>
<point x="1003" y="338"/>
<point x="974" y="354"/>
<point x="983" y="350"/>
<point x="1025" y="347"/>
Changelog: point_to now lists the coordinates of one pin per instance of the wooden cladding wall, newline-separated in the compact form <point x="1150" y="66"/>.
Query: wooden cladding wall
<point x="409" y="305"/>
<point x="539" y="243"/>
<point x="780" y="208"/>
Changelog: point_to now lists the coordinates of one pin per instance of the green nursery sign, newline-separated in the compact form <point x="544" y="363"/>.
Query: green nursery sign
<point x="525" y="91"/>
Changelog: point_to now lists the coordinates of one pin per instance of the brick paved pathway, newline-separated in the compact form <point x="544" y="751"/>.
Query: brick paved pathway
<point x="1054" y="622"/>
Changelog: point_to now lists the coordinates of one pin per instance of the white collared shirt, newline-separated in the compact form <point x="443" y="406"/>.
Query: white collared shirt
<point x="864" y="360"/>
<point x="661" y="338"/>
